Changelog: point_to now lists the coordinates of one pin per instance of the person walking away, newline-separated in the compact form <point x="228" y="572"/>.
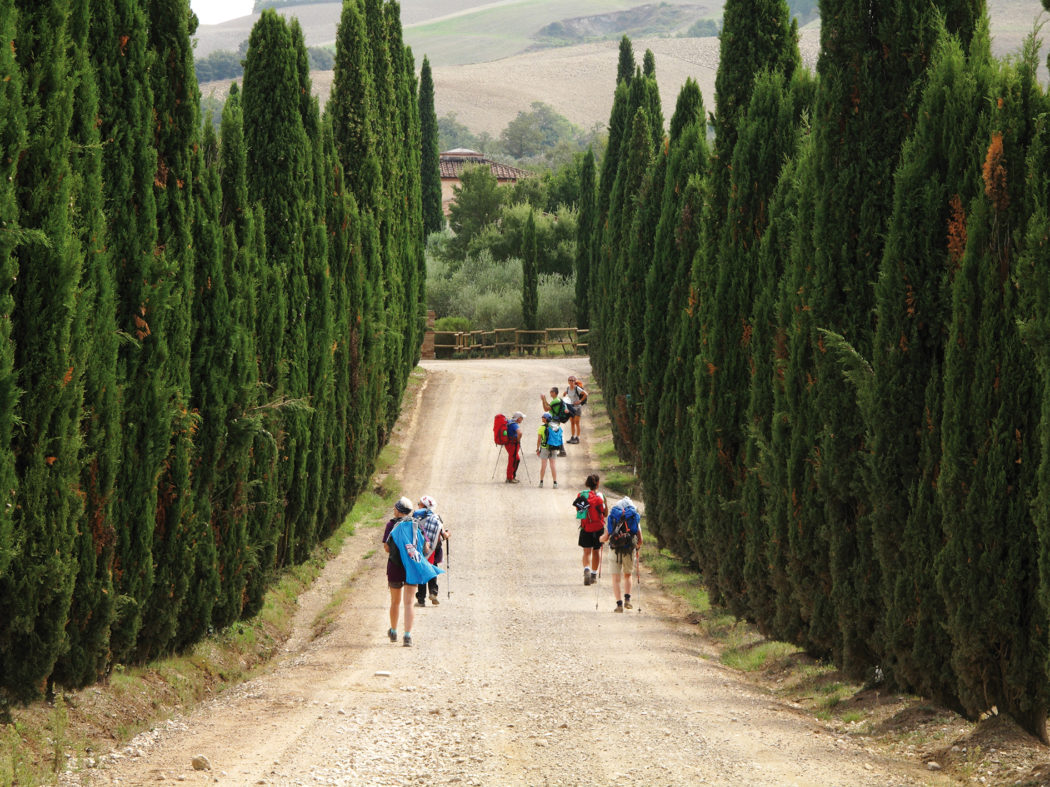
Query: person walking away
<point x="591" y="527"/>
<point x="513" y="446"/>
<point x="434" y="534"/>
<point x="395" y="573"/>
<point x="557" y="409"/>
<point x="549" y="440"/>
<point x="624" y="535"/>
<point x="406" y="566"/>
<point x="576" y="396"/>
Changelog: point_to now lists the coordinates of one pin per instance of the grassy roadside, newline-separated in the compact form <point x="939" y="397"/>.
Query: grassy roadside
<point x="44" y="738"/>
<point x="952" y="749"/>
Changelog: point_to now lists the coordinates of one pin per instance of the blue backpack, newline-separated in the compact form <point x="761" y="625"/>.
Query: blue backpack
<point x="553" y="438"/>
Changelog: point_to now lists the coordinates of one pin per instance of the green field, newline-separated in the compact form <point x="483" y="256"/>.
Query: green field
<point x="495" y="32"/>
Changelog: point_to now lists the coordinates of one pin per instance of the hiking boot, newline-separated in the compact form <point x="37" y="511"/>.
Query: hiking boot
<point x="561" y="452"/>
<point x="619" y="608"/>
<point x="434" y="599"/>
<point x="407" y="640"/>
<point x="627" y="605"/>
<point x="555" y="484"/>
<point x="421" y="603"/>
<point x="513" y="481"/>
<point x="392" y="633"/>
<point x="586" y="577"/>
<point x="541" y="482"/>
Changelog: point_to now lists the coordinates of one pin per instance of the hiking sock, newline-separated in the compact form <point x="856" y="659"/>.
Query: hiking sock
<point x="619" y="603"/>
<point x="626" y="596"/>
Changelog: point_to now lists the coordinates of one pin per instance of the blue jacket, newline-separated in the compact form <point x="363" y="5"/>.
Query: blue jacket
<point x="408" y="539"/>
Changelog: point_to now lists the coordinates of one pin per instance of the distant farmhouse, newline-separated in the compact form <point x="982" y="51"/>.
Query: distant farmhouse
<point x="452" y="163"/>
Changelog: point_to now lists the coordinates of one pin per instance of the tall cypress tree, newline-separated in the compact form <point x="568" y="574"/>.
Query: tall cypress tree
<point x="231" y="502"/>
<point x="678" y="159"/>
<point x="407" y="207"/>
<point x="939" y="176"/>
<point x="987" y="570"/>
<point x="36" y="590"/>
<point x="211" y="385"/>
<point x="585" y="241"/>
<point x="601" y="251"/>
<point x="530" y="277"/>
<point x="433" y="217"/>
<point x="625" y="65"/>
<point x="344" y="244"/>
<point x="416" y="211"/>
<point x="770" y="134"/>
<point x="353" y="111"/>
<point x="860" y="106"/>
<point x="757" y="36"/>
<point x="176" y="107"/>
<point x="278" y="173"/>
<point x="621" y="279"/>
<point x="12" y="142"/>
<point x="129" y="160"/>
<point x="95" y="337"/>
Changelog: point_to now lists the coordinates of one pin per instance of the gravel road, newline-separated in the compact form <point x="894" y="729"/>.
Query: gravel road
<point x="516" y="678"/>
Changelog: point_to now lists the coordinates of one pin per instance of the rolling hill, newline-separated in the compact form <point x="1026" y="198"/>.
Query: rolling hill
<point x="491" y="60"/>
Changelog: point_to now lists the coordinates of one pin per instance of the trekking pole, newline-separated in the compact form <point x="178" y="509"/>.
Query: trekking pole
<point x="637" y="575"/>
<point x="527" y="474"/>
<point x="499" y="453"/>
<point x="448" y="569"/>
<point x="601" y="552"/>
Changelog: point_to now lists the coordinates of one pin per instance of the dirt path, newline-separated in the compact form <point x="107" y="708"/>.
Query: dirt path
<point x="516" y="678"/>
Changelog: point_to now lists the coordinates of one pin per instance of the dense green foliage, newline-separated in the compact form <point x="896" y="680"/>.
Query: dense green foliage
<point x="854" y="286"/>
<point x="433" y="217"/>
<point x="198" y="387"/>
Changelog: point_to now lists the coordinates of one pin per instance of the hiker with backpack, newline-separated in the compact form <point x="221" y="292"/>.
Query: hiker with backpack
<point x="590" y="512"/>
<point x="507" y="433"/>
<point x="434" y="533"/>
<point x="576" y="397"/>
<point x="558" y="409"/>
<point x="406" y="566"/>
<point x="549" y="441"/>
<point x="624" y="536"/>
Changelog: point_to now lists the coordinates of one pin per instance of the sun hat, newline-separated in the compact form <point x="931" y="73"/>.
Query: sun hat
<point x="404" y="505"/>
<point x="518" y="414"/>
<point x="427" y="501"/>
<point x="546" y="416"/>
<point x="626" y="501"/>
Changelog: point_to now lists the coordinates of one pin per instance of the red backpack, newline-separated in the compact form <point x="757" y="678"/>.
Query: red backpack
<point x="499" y="429"/>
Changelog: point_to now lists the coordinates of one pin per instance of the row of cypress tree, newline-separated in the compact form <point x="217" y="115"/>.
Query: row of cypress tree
<point x="204" y="340"/>
<point x="824" y="336"/>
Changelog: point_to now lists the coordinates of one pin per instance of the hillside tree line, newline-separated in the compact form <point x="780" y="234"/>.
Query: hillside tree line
<point x="824" y="338"/>
<point x="205" y="337"/>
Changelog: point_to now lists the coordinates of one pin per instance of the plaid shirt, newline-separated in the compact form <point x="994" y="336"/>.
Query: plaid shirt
<point x="431" y="525"/>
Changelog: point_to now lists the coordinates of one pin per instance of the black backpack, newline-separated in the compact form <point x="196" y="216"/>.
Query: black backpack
<point x="622" y="539"/>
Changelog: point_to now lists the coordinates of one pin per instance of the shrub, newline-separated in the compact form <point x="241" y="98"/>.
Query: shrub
<point x="456" y="324"/>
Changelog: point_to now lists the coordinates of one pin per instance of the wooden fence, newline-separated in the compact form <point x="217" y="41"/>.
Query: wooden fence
<point x="504" y="342"/>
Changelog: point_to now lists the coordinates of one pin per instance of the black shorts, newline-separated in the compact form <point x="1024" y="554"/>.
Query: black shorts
<point x="590" y="540"/>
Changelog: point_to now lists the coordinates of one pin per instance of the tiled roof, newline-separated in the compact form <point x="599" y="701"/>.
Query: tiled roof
<point x="452" y="163"/>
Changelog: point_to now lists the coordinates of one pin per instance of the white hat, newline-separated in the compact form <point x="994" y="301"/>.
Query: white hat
<point x="626" y="501"/>
<point x="427" y="502"/>
<point x="517" y="415"/>
<point x="404" y="505"/>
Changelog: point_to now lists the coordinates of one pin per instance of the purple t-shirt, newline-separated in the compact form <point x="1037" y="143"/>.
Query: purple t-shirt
<point x="395" y="569"/>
